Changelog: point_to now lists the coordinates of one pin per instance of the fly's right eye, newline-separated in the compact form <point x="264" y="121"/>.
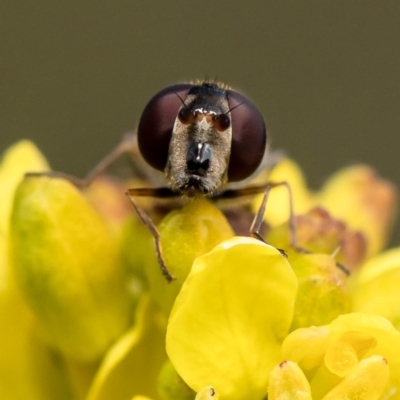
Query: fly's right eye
<point x="156" y="124"/>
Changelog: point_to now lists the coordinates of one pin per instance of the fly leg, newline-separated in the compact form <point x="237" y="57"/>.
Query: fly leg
<point x="162" y="193"/>
<point x="128" y="145"/>
<point x="259" y="217"/>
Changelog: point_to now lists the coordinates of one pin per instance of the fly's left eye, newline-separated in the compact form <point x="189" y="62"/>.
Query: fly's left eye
<point x="156" y="124"/>
<point x="222" y="122"/>
<point x="249" y="137"/>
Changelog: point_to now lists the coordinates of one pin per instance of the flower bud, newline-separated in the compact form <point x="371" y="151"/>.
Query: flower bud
<point x="318" y="232"/>
<point x="322" y="294"/>
<point x="20" y="158"/>
<point x="67" y="265"/>
<point x="28" y="370"/>
<point x="362" y="199"/>
<point x="185" y="234"/>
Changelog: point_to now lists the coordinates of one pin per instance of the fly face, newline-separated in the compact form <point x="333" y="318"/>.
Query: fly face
<point x="200" y="145"/>
<point x="201" y="136"/>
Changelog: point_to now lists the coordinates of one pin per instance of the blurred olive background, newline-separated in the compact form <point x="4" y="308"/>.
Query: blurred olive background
<point x="75" y="75"/>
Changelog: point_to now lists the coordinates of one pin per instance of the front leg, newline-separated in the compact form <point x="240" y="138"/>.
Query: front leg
<point x="128" y="145"/>
<point x="259" y="217"/>
<point x="158" y="193"/>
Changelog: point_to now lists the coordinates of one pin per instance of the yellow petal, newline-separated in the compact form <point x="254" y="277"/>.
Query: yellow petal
<point x="230" y="317"/>
<point x="67" y="266"/>
<point x="367" y="381"/>
<point x="287" y="381"/>
<point x="379" y="265"/>
<point x="343" y="353"/>
<point x="376" y="287"/>
<point x="306" y="346"/>
<point x="132" y="364"/>
<point x="363" y="323"/>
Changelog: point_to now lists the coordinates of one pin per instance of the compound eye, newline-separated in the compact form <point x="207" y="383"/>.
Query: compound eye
<point x="156" y="124"/>
<point x="249" y="137"/>
<point x="222" y="122"/>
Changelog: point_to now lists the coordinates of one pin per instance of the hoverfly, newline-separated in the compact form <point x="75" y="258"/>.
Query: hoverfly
<point x="203" y="136"/>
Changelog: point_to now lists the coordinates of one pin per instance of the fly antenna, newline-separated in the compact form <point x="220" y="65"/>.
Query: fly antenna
<point x="231" y="109"/>
<point x="180" y="98"/>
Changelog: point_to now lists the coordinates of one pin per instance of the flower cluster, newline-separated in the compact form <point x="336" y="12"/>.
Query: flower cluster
<point x="86" y="314"/>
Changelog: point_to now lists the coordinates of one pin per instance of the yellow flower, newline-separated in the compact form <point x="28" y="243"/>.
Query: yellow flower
<point x="355" y="356"/>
